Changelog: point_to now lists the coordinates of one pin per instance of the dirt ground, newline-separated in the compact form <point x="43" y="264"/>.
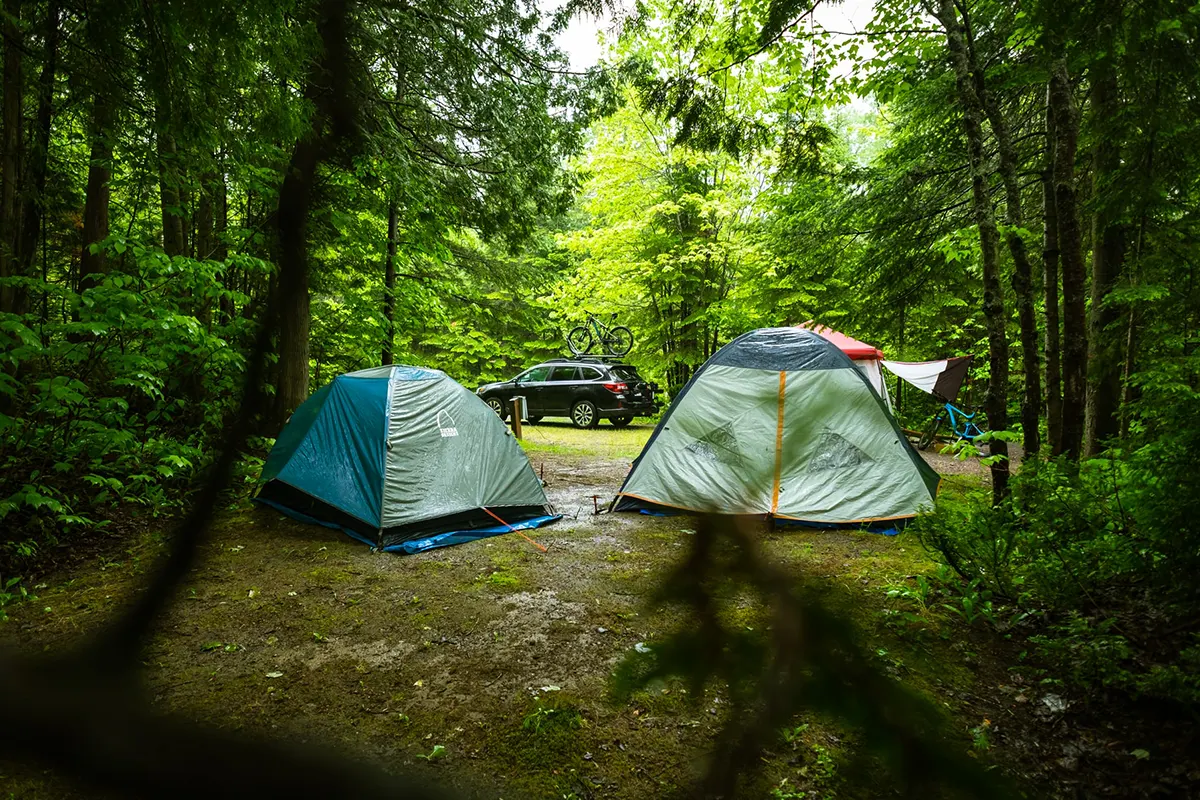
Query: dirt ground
<point x="494" y="657"/>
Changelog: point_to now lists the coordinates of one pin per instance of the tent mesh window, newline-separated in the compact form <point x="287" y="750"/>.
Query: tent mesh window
<point x="834" y="452"/>
<point x="719" y="444"/>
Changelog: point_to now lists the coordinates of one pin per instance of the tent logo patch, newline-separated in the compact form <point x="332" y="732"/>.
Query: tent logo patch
<point x="834" y="452"/>
<point x="719" y="444"/>
<point x="446" y="424"/>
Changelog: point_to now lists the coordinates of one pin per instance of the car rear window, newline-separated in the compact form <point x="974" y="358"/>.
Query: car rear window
<point x="625" y="372"/>
<point x="590" y="373"/>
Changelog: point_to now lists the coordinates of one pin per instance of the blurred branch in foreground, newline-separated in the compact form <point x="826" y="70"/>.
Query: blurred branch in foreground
<point x="808" y="661"/>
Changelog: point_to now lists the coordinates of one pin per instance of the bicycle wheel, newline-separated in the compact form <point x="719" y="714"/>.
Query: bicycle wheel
<point x="579" y="340"/>
<point x="930" y="434"/>
<point x="619" y="341"/>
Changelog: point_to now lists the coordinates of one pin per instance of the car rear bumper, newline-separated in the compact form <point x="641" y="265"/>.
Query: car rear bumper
<point x="626" y="408"/>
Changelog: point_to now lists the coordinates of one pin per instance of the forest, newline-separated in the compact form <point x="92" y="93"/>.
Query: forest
<point x="210" y="210"/>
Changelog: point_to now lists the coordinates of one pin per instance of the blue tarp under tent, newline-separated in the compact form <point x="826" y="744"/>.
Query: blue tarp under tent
<point x="404" y="459"/>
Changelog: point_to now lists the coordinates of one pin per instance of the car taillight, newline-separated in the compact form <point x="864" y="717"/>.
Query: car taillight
<point x="616" y="388"/>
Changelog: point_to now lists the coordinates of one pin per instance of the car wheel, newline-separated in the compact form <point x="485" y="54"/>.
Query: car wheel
<point x="620" y="422"/>
<point x="583" y="414"/>
<point x="497" y="405"/>
<point x="534" y="420"/>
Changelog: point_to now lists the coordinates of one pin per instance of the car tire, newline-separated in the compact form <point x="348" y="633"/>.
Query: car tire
<point x="534" y="420"/>
<point x="584" y="414"/>
<point x="497" y="405"/>
<point x="620" y="422"/>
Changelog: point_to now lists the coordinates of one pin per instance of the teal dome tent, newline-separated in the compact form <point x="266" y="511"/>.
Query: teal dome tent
<point x="404" y="459"/>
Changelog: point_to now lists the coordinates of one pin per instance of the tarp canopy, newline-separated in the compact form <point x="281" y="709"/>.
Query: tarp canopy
<point x="856" y="350"/>
<point x="866" y="357"/>
<point x="780" y="423"/>
<point x="942" y="379"/>
<point x="403" y="458"/>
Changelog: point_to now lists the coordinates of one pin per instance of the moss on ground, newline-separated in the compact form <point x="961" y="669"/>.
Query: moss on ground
<point x="457" y="647"/>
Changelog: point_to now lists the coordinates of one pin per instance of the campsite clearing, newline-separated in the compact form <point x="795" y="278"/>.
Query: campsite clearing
<point x="485" y="666"/>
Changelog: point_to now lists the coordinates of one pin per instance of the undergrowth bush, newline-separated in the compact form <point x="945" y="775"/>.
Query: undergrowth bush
<point x="1101" y="549"/>
<point x="134" y="377"/>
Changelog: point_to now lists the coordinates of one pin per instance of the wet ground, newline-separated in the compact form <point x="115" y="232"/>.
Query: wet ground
<point x="292" y="630"/>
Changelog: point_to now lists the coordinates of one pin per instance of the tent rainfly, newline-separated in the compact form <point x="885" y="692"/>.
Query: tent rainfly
<point x="780" y="423"/>
<point x="404" y="459"/>
<point x="865" y="357"/>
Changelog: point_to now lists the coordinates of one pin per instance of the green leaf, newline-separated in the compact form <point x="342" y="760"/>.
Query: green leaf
<point x="433" y="755"/>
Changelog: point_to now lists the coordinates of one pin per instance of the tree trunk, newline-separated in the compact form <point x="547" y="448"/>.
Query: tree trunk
<point x="1022" y="283"/>
<point x="221" y="252"/>
<point x="993" y="293"/>
<point x="35" y="200"/>
<point x="1050" y="287"/>
<point x="1127" y="372"/>
<point x="1108" y="260"/>
<point x="389" y="286"/>
<point x="1022" y="279"/>
<point x="187" y="219"/>
<point x="1074" y="362"/>
<point x="10" y="158"/>
<point x="220" y="246"/>
<point x="204" y="239"/>
<point x="205" y="218"/>
<point x="159" y="79"/>
<point x="332" y="120"/>
<point x="95" y="208"/>
<point x="295" y="199"/>
<point x="168" y="188"/>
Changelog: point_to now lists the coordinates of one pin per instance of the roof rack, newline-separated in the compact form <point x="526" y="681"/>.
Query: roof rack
<point x="596" y="359"/>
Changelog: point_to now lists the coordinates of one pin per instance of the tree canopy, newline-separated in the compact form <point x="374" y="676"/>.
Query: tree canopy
<point x="1018" y="182"/>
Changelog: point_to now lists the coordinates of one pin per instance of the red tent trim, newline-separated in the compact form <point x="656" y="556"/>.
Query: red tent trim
<point x="856" y="350"/>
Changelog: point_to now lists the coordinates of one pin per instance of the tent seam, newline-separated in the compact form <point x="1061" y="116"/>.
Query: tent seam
<point x="387" y="429"/>
<point x="778" y="444"/>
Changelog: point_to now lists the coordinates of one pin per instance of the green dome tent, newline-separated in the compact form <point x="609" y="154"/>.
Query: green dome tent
<point x="404" y="459"/>
<point x="779" y="423"/>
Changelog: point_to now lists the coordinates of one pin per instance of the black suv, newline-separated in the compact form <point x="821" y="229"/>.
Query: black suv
<point x="584" y="389"/>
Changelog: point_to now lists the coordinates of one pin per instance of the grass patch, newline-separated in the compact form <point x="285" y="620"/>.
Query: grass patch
<point x="553" y="716"/>
<point x="548" y="741"/>
<point x="329" y="575"/>
<point x="504" y="581"/>
<point x="605" y="441"/>
<point x="544" y="745"/>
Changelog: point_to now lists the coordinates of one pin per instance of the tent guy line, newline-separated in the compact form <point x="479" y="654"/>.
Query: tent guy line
<point x="541" y="547"/>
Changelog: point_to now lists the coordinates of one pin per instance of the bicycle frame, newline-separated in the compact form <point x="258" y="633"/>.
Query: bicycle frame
<point x="961" y="422"/>
<point x="599" y="327"/>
